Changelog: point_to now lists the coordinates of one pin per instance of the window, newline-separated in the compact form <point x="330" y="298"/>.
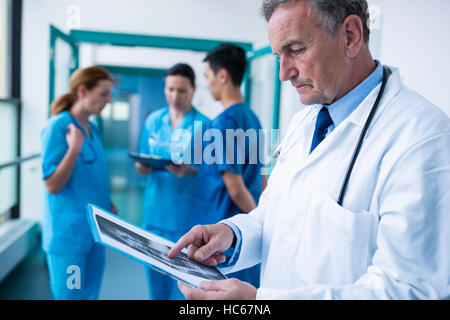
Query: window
<point x="10" y="160"/>
<point x="5" y="51"/>
<point x="121" y="111"/>
<point x="116" y="111"/>
<point x="8" y="154"/>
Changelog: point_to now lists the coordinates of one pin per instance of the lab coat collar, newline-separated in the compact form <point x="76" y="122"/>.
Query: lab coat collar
<point x="394" y="84"/>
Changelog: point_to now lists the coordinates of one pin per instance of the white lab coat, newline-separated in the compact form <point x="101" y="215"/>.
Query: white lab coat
<point x="389" y="240"/>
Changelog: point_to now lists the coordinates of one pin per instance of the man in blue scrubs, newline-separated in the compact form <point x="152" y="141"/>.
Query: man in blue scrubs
<point x="169" y="200"/>
<point x="234" y="181"/>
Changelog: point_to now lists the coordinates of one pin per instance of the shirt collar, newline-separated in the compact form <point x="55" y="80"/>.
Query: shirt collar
<point x="342" y="108"/>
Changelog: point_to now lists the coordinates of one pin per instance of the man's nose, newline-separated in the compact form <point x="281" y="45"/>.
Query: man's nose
<point x="288" y="71"/>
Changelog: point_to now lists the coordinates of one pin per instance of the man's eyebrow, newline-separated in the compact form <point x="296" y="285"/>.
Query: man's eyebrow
<point x="288" y="44"/>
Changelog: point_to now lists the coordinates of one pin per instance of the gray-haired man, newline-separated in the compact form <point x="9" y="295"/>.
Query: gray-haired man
<point x="387" y="236"/>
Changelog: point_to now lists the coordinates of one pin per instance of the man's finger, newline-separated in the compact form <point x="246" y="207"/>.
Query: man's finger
<point x="208" y="250"/>
<point x="192" y="293"/>
<point x="216" y="285"/>
<point x="214" y="260"/>
<point x="172" y="169"/>
<point x="191" y="251"/>
<point x="184" y="241"/>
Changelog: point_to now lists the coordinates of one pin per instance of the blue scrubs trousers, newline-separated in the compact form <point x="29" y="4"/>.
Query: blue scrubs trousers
<point x="77" y="276"/>
<point x="161" y="286"/>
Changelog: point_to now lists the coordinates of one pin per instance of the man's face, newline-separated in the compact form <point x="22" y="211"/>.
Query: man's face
<point x="178" y="91"/>
<point x="212" y="82"/>
<point x="314" y="63"/>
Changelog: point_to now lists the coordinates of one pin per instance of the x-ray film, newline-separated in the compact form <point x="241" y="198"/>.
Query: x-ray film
<point x="147" y="248"/>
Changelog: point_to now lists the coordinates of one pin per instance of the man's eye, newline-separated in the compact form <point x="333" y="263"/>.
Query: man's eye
<point x="298" y="51"/>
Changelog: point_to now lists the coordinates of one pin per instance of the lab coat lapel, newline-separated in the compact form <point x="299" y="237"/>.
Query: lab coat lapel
<point x="293" y="149"/>
<point x="394" y="84"/>
<point x="343" y="133"/>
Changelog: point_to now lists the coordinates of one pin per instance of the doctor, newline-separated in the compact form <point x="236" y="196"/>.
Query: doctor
<point x="170" y="200"/>
<point x="75" y="173"/>
<point x="383" y="235"/>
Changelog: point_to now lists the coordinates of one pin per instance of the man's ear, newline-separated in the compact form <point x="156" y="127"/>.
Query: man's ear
<point x="223" y="75"/>
<point x="354" y="35"/>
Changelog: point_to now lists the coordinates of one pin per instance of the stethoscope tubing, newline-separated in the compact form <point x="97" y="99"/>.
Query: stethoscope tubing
<point x="386" y="74"/>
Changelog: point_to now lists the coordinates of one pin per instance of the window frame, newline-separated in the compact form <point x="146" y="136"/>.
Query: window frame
<point x="13" y="212"/>
<point x="14" y="27"/>
<point x="6" y="52"/>
<point x="16" y="47"/>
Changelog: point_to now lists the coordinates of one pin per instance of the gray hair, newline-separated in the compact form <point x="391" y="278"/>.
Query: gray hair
<point x="329" y="14"/>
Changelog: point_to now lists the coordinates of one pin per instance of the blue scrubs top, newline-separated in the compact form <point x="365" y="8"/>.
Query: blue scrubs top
<point x="243" y="159"/>
<point x="169" y="200"/>
<point x="65" y="225"/>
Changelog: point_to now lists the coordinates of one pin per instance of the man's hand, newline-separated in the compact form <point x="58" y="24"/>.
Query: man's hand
<point x="141" y="169"/>
<point x="181" y="170"/>
<point x="230" y="289"/>
<point x="114" y="209"/>
<point x="205" y="243"/>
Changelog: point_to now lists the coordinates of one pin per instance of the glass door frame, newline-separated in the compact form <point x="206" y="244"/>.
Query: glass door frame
<point x="56" y="34"/>
<point x="252" y="56"/>
<point x="77" y="37"/>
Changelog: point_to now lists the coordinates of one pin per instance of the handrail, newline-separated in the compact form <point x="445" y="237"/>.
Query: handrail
<point x="10" y="100"/>
<point x="19" y="161"/>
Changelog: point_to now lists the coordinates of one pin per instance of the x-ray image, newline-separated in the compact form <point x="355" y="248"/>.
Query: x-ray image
<point x="149" y="248"/>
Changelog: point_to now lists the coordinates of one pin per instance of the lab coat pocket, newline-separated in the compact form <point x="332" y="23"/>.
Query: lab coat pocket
<point x="335" y="247"/>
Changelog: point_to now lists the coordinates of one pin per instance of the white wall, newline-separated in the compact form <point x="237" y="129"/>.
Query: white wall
<point x="413" y="36"/>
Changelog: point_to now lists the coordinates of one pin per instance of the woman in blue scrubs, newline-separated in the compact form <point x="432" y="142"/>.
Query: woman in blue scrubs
<point x="75" y="173"/>
<point x="169" y="201"/>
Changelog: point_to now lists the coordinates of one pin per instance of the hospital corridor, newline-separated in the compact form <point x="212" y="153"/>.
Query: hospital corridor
<point x="310" y="145"/>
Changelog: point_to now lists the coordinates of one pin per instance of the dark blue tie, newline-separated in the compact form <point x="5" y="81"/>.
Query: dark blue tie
<point x="323" y="122"/>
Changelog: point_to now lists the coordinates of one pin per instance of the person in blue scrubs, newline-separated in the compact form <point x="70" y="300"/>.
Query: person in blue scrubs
<point x="75" y="174"/>
<point x="234" y="182"/>
<point x="169" y="199"/>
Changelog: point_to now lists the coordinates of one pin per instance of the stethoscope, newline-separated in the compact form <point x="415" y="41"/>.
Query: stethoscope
<point x="386" y="74"/>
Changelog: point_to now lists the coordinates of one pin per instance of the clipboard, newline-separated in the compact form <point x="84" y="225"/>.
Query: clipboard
<point x="147" y="248"/>
<point x="157" y="163"/>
